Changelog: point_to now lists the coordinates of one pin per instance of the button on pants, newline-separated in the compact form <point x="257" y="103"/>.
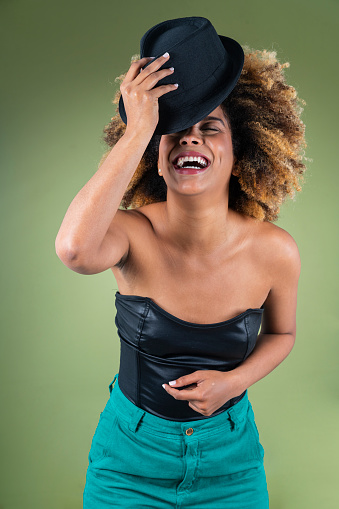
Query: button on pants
<point x="139" y="460"/>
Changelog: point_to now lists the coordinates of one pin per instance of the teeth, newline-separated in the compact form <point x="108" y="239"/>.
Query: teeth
<point x="200" y="160"/>
<point x="195" y="167"/>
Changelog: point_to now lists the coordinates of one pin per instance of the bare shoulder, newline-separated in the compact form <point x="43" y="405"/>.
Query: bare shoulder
<point x="282" y="244"/>
<point x="128" y="219"/>
<point x="276" y="236"/>
<point x="277" y="249"/>
<point x="152" y="212"/>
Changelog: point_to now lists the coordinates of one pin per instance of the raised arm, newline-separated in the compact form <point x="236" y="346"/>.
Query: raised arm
<point x="93" y="235"/>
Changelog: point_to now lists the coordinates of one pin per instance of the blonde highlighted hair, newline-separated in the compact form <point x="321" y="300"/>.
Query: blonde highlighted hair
<point x="268" y="139"/>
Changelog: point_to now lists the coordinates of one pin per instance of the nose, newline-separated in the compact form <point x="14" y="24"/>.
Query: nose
<point x="190" y="136"/>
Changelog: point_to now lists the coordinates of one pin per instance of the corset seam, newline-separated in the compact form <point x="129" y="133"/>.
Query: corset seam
<point x="248" y="337"/>
<point x="137" y="337"/>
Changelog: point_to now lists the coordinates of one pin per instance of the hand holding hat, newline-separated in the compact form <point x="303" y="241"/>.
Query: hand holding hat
<point x="206" y="65"/>
<point x="139" y="96"/>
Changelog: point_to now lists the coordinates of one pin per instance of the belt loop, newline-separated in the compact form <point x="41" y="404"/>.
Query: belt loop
<point x="135" y="419"/>
<point x="112" y="383"/>
<point x="233" y="418"/>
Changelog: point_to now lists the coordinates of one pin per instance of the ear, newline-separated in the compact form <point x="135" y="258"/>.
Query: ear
<point x="235" y="170"/>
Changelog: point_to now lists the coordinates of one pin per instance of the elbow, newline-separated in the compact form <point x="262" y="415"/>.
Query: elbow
<point x="66" y="253"/>
<point x="73" y="259"/>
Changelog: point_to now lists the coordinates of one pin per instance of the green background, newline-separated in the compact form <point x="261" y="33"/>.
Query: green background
<point x="59" y="346"/>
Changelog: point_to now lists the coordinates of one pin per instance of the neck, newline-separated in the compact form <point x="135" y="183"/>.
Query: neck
<point x="198" y="224"/>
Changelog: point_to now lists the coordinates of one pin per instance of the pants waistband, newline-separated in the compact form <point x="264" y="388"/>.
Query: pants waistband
<point x="133" y="415"/>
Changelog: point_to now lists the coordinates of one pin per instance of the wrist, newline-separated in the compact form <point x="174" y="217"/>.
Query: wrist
<point x="237" y="381"/>
<point x="141" y="137"/>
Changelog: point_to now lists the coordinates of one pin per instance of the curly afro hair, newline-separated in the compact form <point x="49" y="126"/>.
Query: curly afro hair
<point x="268" y="139"/>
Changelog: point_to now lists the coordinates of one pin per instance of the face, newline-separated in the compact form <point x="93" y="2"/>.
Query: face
<point x="211" y="138"/>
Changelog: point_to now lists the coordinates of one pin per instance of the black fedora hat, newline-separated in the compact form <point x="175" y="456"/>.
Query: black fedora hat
<point x="206" y="65"/>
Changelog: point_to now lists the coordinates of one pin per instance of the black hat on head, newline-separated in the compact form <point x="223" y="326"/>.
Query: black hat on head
<point x="206" y="65"/>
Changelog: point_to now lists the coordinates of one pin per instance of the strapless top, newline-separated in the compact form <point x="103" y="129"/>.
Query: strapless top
<point x="156" y="347"/>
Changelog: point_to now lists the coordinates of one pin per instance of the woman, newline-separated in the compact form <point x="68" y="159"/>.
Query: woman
<point x="205" y="175"/>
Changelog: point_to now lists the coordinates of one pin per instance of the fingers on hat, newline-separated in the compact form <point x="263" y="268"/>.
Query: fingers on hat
<point x="136" y="68"/>
<point x="144" y="58"/>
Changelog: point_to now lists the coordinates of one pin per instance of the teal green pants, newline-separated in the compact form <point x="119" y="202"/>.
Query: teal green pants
<point x="138" y="460"/>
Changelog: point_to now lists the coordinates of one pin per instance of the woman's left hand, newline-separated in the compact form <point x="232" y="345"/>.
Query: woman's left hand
<point x="209" y="390"/>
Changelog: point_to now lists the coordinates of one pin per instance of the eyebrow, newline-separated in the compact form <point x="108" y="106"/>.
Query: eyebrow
<point x="215" y="118"/>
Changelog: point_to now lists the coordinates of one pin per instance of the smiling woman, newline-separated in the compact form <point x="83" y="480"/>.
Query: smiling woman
<point x="263" y="114"/>
<point x="204" y="167"/>
<point x="217" y="147"/>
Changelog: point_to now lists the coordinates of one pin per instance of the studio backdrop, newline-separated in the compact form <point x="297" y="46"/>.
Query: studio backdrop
<point x="59" y="346"/>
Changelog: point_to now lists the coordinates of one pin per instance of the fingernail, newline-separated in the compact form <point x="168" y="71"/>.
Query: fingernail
<point x="166" y="54"/>
<point x="173" y="382"/>
<point x="163" y="385"/>
<point x="151" y="57"/>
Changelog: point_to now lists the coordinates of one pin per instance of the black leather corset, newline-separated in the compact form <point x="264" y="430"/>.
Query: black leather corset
<point x="157" y="347"/>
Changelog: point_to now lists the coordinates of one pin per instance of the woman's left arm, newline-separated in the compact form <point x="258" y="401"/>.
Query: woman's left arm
<point x="274" y="343"/>
<point x="278" y="328"/>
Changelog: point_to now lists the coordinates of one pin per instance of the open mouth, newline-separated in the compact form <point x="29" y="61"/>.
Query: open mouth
<point x="197" y="164"/>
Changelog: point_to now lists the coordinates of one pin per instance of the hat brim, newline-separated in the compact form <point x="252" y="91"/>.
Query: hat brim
<point x="172" y="119"/>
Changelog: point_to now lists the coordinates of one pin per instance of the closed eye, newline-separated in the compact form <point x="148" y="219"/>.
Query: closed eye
<point x="204" y="128"/>
<point x="210" y="128"/>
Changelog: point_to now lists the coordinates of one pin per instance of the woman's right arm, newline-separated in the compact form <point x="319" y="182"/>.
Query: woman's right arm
<point x="93" y="235"/>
